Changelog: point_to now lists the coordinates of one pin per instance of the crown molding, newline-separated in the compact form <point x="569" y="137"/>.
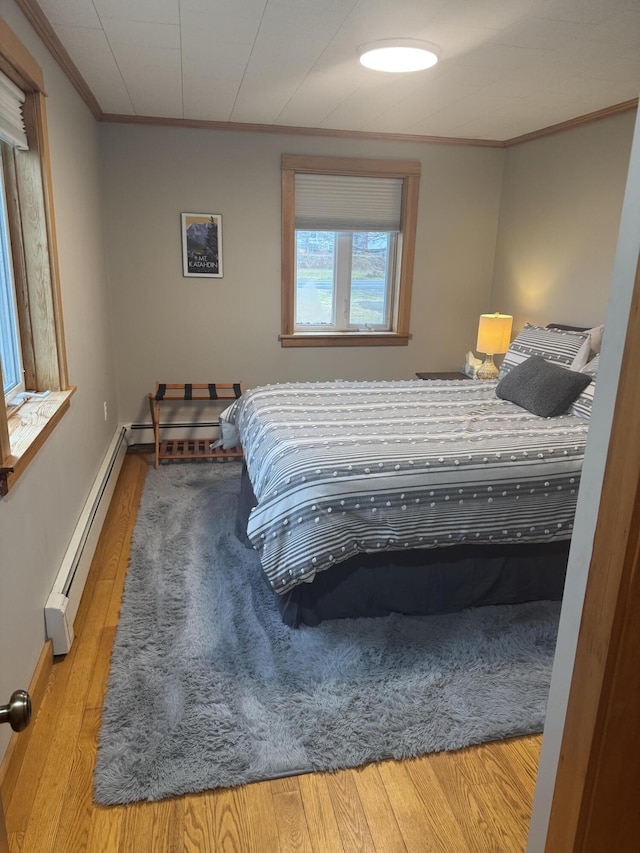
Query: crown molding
<point x="299" y="131"/>
<point x="36" y="17"/>
<point x="578" y="121"/>
<point x="41" y="25"/>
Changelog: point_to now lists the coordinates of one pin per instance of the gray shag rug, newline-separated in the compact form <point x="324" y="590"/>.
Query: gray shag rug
<point x="208" y="688"/>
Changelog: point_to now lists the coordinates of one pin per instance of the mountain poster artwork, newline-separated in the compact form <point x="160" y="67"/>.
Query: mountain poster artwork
<point x="202" y="245"/>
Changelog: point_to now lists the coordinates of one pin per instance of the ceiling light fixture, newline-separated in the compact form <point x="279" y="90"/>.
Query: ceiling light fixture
<point x="398" y="55"/>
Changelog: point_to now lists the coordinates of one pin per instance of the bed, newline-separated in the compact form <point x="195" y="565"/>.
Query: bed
<point x="364" y="498"/>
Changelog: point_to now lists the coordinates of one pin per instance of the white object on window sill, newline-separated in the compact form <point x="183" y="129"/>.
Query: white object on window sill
<point x="23" y="396"/>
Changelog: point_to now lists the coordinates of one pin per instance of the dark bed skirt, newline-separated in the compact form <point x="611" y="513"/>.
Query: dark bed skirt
<point x="432" y="580"/>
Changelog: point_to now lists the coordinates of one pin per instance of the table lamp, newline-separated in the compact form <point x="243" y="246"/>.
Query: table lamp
<point x="494" y="336"/>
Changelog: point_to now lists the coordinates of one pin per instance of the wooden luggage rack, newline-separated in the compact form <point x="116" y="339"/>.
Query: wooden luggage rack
<point x="183" y="448"/>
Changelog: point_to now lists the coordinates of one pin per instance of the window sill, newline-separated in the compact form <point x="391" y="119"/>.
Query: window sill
<point x="345" y="339"/>
<point x="29" y="428"/>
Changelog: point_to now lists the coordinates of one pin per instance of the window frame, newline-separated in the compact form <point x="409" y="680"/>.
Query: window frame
<point x="409" y="172"/>
<point x="29" y="199"/>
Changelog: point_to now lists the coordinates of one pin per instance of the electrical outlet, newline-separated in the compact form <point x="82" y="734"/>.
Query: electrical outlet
<point x="106" y="415"/>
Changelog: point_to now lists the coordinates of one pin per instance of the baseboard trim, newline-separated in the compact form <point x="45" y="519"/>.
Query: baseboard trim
<point x="16" y="751"/>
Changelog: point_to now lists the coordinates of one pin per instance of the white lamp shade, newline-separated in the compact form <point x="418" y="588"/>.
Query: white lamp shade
<point x="494" y="333"/>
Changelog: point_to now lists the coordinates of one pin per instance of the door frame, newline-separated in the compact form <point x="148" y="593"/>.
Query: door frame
<point x="598" y="777"/>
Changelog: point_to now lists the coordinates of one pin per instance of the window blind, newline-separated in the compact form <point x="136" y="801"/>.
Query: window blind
<point x="347" y="203"/>
<point x="11" y="121"/>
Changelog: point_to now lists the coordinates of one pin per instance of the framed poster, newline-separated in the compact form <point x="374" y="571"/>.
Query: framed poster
<point x="201" y="245"/>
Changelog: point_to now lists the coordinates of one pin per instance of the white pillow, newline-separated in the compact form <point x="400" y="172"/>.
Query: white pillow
<point x="596" y="339"/>
<point x="583" y="355"/>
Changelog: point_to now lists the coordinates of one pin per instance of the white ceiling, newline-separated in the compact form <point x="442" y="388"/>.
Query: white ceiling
<point x="507" y="67"/>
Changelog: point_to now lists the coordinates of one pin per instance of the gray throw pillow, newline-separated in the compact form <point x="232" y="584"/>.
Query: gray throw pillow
<point x="542" y="388"/>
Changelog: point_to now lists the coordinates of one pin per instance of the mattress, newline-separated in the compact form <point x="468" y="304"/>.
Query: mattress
<point x="343" y="468"/>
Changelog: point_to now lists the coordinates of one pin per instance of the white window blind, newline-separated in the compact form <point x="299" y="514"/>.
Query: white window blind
<point x="347" y="203"/>
<point x="11" y="121"/>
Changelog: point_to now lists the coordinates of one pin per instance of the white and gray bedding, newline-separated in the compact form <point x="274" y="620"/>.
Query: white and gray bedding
<point x="345" y="467"/>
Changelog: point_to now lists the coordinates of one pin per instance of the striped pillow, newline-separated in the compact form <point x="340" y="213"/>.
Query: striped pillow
<point x="581" y="406"/>
<point x="567" y="349"/>
<point x="591" y="367"/>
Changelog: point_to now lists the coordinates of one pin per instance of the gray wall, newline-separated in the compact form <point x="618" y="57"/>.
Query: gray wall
<point x="559" y="217"/>
<point x="38" y="516"/>
<point x="554" y="203"/>
<point x="171" y="328"/>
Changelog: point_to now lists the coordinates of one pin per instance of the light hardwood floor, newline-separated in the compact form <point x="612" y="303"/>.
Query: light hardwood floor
<point x="478" y="799"/>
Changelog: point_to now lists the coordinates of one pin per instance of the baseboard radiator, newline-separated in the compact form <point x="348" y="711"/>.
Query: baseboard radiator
<point x="62" y="605"/>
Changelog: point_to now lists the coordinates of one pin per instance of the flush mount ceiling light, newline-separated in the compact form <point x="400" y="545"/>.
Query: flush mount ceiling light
<point x="398" y="55"/>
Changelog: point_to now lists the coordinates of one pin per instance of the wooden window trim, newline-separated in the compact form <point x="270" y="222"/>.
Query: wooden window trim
<point x="409" y="172"/>
<point x="344" y="339"/>
<point x="28" y="430"/>
<point x="35" y="264"/>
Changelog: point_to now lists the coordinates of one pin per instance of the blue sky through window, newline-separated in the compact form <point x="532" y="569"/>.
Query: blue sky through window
<point x="9" y="335"/>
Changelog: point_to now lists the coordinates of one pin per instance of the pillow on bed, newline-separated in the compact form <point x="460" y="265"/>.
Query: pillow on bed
<point x="229" y="435"/>
<point x="542" y="388"/>
<point x="583" y="403"/>
<point x="591" y="367"/>
<point x="590" y="348"/>
<point x="568" y="349"/>
<point x="596" y="339"/>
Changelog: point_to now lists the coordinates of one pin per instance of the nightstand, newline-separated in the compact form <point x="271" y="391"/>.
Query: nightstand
<point x="453" y="375"/>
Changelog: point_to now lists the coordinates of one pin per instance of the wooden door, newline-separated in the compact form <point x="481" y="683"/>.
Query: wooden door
<point x="4" y="841"/>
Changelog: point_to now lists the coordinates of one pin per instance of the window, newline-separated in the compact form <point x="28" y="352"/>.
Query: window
<point x="348" y="237"/>
<point x="32" y="350"/>
<point x="10" y="355"/>
<point x="344" y="280"/>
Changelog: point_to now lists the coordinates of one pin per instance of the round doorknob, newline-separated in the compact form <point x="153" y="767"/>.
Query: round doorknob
<point x="18" y="712"/>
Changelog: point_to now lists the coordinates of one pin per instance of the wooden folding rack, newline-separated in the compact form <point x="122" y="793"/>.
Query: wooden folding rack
<point x="189" y="449"/>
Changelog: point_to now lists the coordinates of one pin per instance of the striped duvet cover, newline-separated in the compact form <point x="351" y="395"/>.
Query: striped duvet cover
<point x="345" y="467"/>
